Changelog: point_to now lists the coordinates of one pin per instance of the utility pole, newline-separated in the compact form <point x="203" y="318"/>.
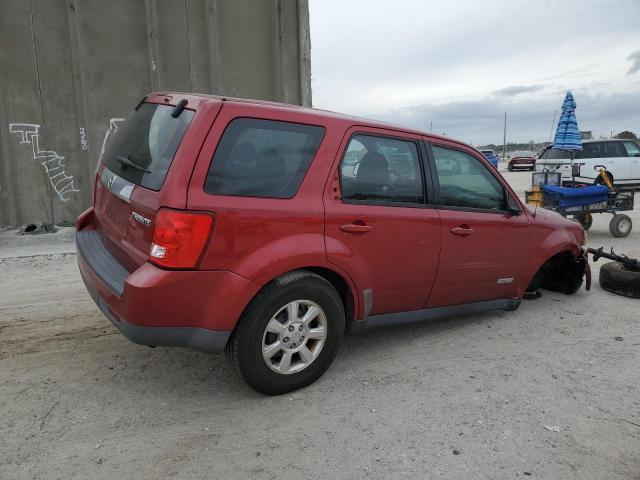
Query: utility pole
<point x="504" y="139"/>
<point x="553" y="122"/>
<point x="431" y="126"/>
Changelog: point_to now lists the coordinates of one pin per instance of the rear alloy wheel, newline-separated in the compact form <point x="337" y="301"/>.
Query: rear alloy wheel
<point x="294" y="337"/>
<point x="615" y="278"/>
<point x="620" y="225"/>
<point x="289" y="334"/>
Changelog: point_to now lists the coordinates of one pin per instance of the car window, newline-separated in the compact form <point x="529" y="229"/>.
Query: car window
<point x="632" y="149"/>
<point x="262" y="158"/>
<point x="551" y="154"/>
<point x="143" y="148"/>
<point x="601" y="150"/>
<point x="381" y="170"/>
<point x="465" y="182"/>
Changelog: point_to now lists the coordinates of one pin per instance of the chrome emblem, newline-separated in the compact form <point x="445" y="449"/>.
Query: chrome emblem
<point x="111" y="181"/>
<point x="140" y="219"/>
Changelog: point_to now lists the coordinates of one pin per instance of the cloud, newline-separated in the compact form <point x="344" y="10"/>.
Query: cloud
<point x="517" y="90"/>
<point x="481" y="121"/>
<point x="635" y="59"/>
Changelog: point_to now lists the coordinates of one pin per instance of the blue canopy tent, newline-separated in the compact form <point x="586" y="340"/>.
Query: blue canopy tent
<point x="567" y="134"/>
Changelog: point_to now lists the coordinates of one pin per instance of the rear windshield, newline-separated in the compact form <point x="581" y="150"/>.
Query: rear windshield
<point x="143" y="147"/>
<point x="550" y="154"/>
<point x="487" y="152"/>
<point x="262" y="158"/>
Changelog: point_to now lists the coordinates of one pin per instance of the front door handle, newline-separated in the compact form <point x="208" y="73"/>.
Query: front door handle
<point x="355" y="228"/>
<point x="462" y="230"/>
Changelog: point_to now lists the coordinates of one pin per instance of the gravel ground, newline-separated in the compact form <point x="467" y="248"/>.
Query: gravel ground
<point x="548" y="391"/>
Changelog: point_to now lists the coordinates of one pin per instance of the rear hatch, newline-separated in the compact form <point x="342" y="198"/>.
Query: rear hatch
<point x="131" y="183"/>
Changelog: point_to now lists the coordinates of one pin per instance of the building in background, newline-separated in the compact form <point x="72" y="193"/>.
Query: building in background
<point x="586" y="135"/>
<point x="73" y="70"/>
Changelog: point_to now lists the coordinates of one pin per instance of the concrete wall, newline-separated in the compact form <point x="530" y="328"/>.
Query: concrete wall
<point x="72" y="69"/>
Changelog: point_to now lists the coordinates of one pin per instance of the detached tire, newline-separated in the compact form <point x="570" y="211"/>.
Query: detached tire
<point x="620" y="226"/>
<point x="615" y="278"/>
<point x="289" y="334"/>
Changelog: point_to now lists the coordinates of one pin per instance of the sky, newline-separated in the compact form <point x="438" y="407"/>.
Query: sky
<point x="461" y="64"/>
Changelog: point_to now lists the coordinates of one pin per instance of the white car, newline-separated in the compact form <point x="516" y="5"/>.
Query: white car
<point x="621" y="159"/>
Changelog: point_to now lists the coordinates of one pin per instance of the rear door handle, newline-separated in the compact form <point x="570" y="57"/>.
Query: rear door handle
<point x="354" y="228"/>
<point x="462" y="230"/>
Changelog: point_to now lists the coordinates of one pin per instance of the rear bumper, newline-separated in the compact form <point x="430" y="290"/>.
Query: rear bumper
<point x="522" y="165"/>
<point x="191" y="337"/>
<point x="157" y="307"/>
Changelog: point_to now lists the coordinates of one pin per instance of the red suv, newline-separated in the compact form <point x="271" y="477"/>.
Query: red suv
<point x="271" y="230"/>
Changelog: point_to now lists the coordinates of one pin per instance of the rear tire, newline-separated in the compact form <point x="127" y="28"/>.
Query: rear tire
<point x="269" y="325"/>
<point x="620" y="225"/>
<point x="615" y="278"/>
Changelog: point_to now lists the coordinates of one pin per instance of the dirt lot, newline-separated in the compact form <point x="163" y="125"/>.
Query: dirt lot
<point x="544" y="392"/>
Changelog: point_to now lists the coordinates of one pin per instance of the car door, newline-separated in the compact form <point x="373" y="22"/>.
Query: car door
<point x="633" y="151"/>
<point x="380" y="225"/>
<point x="484" y="245"/>
<point x="614" y="158"/>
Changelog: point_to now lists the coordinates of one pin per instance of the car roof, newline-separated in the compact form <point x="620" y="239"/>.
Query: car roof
<point x="327" y="114"/>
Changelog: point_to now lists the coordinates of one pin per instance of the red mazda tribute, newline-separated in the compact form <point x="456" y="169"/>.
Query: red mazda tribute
<point x="271" y="230"/>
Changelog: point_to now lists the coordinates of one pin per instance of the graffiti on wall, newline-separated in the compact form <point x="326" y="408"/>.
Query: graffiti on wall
<point x="61" y="182"/>
<point x="113" y="128"/>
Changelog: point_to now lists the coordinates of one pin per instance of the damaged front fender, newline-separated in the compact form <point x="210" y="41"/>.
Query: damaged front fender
<point x="564" y="272"/>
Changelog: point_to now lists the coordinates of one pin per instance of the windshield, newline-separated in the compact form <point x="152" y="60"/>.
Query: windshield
<point x="487" y="152"/>
<point x="143" y="147"/>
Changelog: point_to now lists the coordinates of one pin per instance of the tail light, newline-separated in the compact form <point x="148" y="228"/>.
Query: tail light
<point x="575" y="169"/>
<point x="179" y="238"/>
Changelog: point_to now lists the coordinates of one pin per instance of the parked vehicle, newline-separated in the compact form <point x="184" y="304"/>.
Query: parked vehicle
<point x="271" y="230"/>
<point x="491" y="156"/>
<point x="620" y="158"/>
<point x="522" y="160"/>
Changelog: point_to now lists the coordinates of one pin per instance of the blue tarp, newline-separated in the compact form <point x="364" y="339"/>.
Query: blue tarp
<point x="571" y="197"/>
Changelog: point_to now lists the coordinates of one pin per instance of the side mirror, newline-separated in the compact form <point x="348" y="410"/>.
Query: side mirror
<point x="515" y="212"/>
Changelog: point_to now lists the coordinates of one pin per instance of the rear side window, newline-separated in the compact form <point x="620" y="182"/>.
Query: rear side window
<point x="602" y="150"/>
<point x="144" y="146"/>
<point x="262" y="158"/>
<point x="377" y="170"/>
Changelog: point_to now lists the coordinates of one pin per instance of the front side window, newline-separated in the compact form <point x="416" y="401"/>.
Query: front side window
<point x="381" y="170"/>
<point x="632" y="149"/>
<point x="465" y="182"/>
<point x="262" y="158"/>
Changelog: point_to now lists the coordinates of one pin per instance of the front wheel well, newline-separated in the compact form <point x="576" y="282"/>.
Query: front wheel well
<point x="562" y="272"/>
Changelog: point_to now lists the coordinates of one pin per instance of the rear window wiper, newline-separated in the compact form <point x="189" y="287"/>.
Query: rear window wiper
<point x="124" y="160"/>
